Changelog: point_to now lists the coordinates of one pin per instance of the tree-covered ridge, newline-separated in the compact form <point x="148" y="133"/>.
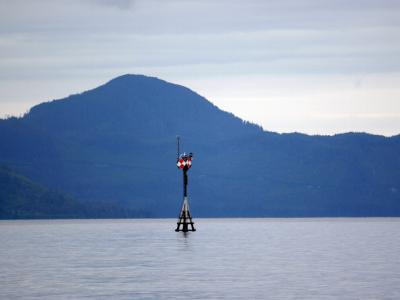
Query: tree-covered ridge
<point x="115" y="145"/>
<point x="21" y="198"/>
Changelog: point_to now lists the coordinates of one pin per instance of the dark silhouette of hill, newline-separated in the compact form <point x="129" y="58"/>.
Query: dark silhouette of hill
<point x="115" y="144"/>
<point x="21" y="198"/>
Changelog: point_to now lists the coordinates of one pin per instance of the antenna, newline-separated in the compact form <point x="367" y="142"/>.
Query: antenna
<point x="177" y="144"/>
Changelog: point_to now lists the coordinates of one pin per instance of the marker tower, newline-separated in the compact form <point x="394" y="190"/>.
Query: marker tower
<point x="184" y="162"/>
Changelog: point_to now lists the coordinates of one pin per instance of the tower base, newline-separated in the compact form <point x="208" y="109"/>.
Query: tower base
<point x="185" y="219"/>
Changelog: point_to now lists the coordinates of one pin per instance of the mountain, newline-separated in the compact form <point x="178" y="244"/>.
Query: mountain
<point x="115" y="144"/>
<point x="21" y="198"/>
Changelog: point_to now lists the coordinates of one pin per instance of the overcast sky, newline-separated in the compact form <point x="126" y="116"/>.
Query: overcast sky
<point x="319" y="67"/>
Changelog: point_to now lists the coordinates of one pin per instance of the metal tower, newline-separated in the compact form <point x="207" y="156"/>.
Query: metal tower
<point x="184" y="162"/>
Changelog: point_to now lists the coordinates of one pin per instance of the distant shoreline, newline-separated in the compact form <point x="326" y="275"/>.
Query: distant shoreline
<point x="205" y="218"/>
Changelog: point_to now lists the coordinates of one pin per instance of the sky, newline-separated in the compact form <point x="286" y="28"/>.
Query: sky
<point x="311" y="66"/>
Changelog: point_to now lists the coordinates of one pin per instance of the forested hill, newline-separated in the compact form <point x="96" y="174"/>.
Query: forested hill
<point x="21" y="198"/>
<point x="115" y="144"/>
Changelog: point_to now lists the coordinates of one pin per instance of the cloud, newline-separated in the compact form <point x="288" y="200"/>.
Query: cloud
<point x="198" y="42"/>
<point x="120" y="4"/>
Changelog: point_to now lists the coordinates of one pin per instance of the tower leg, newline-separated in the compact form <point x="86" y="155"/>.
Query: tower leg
<point x="185" y="219"/>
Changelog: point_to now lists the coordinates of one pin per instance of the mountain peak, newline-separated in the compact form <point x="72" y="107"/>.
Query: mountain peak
<point x="141" y="105"/>
<point x="139" y="81"/>
<point x="133" y="77"/>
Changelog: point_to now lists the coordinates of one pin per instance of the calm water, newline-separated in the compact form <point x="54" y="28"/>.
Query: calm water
<point x="224" y="259"/>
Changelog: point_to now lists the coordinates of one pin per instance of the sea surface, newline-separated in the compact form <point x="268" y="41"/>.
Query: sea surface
<point x="224" y="259"/>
